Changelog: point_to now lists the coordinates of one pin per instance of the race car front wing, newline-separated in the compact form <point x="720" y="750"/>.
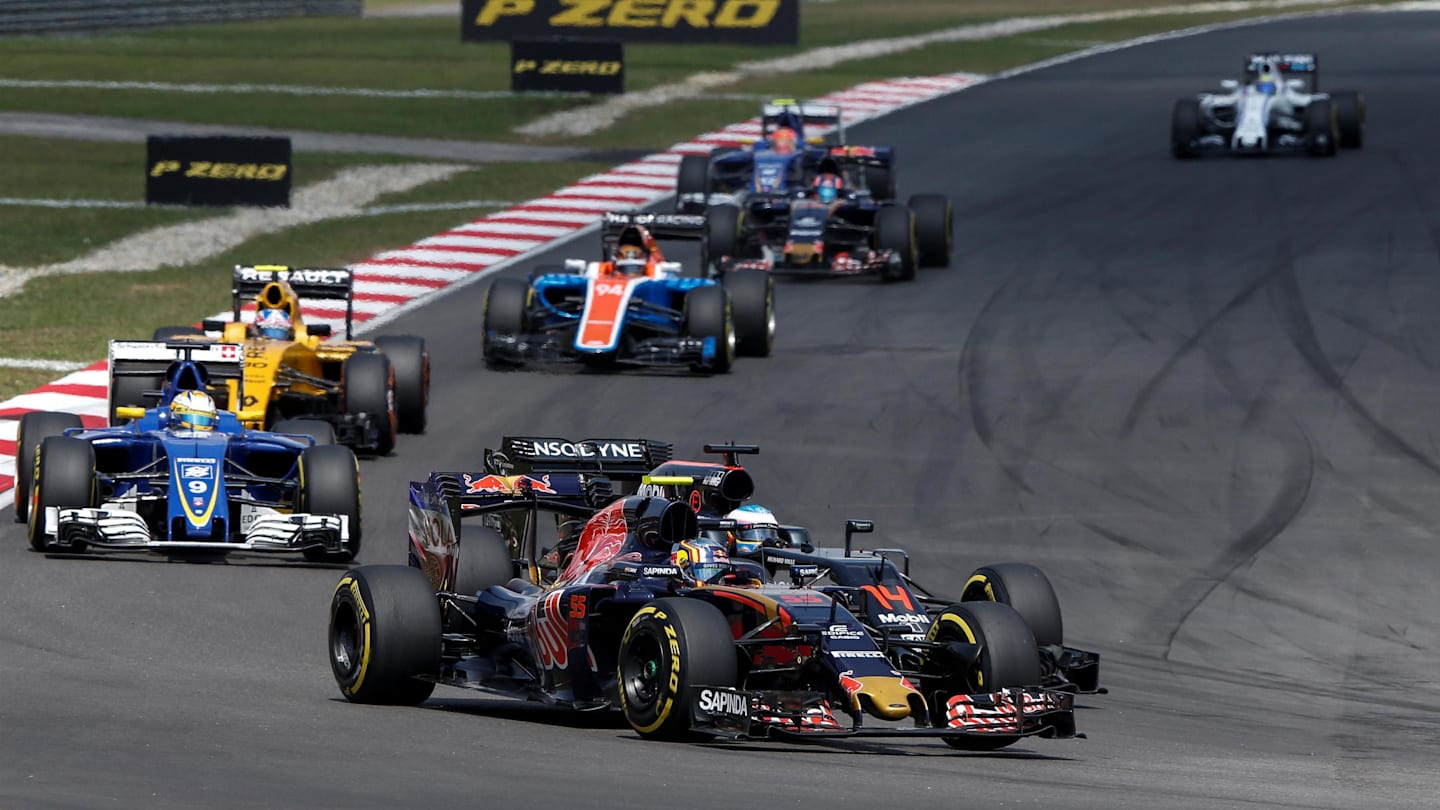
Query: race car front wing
<point x="123" y="529"/>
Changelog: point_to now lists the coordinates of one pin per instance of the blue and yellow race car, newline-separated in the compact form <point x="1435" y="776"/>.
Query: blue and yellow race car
<point x="185" y="476"/>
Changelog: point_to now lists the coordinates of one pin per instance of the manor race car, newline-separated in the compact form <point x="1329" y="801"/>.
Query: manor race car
<point x="367" y="390"/>
<point x="632" y="308"/>
<point x="185" y="476"/>
<point x="1276" y="107"/>
<point x="647" y="616"/>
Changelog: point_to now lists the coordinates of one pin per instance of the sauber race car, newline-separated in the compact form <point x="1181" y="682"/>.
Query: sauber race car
<point x="367" y="391"/>
<point x="1276" y="107"/>
<point x="648" y="616"/>
<point x="185" y="476"/>
<point x="633" y="307"/>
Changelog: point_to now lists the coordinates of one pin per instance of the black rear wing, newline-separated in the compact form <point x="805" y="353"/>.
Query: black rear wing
<point x="153" y="361"/>
<point x="1304" y="66"/>
<point x="787" y="112"/>
<point x="315" y="283"/>
<point x="618" y="459"/>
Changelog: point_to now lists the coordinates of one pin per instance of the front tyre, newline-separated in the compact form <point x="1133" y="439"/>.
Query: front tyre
<point x="35" y="427"/>
<point x="895" y="231"/>
<point x="330" y="485"/>
<point x="988" y="647"/>
<point x="1349" y="118"/>
<point x="506" y="315"/>
<point x="1185" y="128"/>
<point x="384" y="635"/>
<point x="64" y="477"/>
<point x="670" y="646"/>
<point x="934" y="229"/>
<point x="708" y="316"/>
<point x="369" y="389"/>
<point x="1321" y="128"/>
<point x="752" y="301"/>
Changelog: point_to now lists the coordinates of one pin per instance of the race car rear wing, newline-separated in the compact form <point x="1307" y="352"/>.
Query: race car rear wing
<point x="316" y="283"/>
<point x="210" y="367"/>
<point x="619" y="459"/>
<point x="1305" y="66"/>
<point x="787" y="112"/>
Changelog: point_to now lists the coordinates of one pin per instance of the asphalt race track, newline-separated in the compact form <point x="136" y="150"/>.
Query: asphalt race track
<point x="1201" y="395"/>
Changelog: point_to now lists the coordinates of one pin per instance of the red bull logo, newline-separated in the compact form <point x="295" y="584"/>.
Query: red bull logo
<point x="850" y="684"/>
<point x="489" y="484"/>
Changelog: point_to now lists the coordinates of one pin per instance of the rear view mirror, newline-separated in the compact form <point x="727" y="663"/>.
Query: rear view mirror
<point x="1229" y="84"/>
<point x="319" y="329"/>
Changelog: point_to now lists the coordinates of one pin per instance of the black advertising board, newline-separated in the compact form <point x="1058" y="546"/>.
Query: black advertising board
<point x="742" y="22"/>
<point x="217" y="170"/>
<point x="567" y="65"/>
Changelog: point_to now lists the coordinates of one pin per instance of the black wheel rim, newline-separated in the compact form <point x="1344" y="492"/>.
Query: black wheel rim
<point x="345" y="641"/>
<point x="640" y="671"/>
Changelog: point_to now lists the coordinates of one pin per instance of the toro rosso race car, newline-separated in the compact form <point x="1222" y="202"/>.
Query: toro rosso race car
<point x="648" y="616"/>
<point x="634" y="307"/>
<point x="185" y="476"/>
<point x="368" y="391"/>
<point x="1276" y="107"/>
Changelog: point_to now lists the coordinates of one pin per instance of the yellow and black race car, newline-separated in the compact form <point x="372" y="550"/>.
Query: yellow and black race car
<point x="360" y="393"/>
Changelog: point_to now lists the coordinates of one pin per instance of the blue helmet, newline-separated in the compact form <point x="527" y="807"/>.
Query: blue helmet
<point x="274" y="324"/>
<point x="702" y="558"/>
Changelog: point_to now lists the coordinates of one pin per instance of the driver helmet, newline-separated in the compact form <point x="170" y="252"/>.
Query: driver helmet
<point x="782" y="140"/>
<point x="274" y="324"/>
<point x="630" y="260"/>
<point x="1267" y="82"/>
<point x="192" y="410"/>
<point x="828" y="186"/>
<point x="755" y="528"/>
<point x="703" y="559"/>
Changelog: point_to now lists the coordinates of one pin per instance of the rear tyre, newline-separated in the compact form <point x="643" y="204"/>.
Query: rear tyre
<point x="1349" y="118"/>
<point x="669" y="646"/>
<point x="384" y="635"/>
<point x="164" y="333"/>
<point x="411" y="363"/>
<point x="482" y="560"/>
<point x="1007" y="657"/>
<point x="752" y="300"/>
<point x="507" y="308"/>
<point x="64" y="478"/>
<point x="722" y="227"/>
<point x="319" y="431"/>
<point x="368" y="387"/>
<point x="934" y="229"/>
<point x="881" y="182"/>
<point x="330" y="485"/>
<point x="692" y="178"/>
<point x="35" y="427"/>
<point x="1185" y="130"/>
<point x="895" y="231"/>
<point x="1024" y="588"/>
<point x="707" y="315"/>
<point x="1321" y="128"/>
<point x="130" y="392"/>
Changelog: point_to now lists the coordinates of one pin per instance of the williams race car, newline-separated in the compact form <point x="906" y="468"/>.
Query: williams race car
<point x="367" y="391"/>
<point x="1277" y="107"/>
<point x="648" y="616"/>
<point x="185" y="476"/>
<point x="631" y="308"/>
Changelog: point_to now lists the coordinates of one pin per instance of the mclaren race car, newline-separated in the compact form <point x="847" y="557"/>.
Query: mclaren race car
<point x="1276" y="107"/>
<point x="633" y="307"/>
<point x="184" y="476"/>
<point x="648" y="616"/>
<point x="367" y="391"/>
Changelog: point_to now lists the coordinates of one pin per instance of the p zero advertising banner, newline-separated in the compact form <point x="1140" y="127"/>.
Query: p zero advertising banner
<point x="217" y="170"/>
<point x="567" y="66"/>
<point x="752" y="22"/>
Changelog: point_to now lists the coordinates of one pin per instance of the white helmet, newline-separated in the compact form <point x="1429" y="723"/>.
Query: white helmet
<point x="755" y="528"/>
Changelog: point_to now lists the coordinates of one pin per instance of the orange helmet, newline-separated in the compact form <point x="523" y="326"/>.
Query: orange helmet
<point x="782" y="140"/>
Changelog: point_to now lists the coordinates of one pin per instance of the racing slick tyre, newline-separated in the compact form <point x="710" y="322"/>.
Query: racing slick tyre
<point x="989" y="647"/>
<point x="319" y="431"/>
<point x="330" y="485"/>
<point x="1349" y="118"/>
<point x="1025" y="588"/>
<point x="752" y="300"/>
<point x="35" y="427"/>
<point x="164" y="333"/>
<point x="692" y="178"/>
<point x="881" y="182"/>
<point x="384" y="631"/>
<point x="64" y="471"/>
<point x="708" y="315"/>
<point x="669" y="646"/>
<point x="482" y="560"/>
<point x="1322" y="128"/>
<point x="130" y="391"/>
<point x="507" y="308"/>
<point x="895" y="230"/>
<point x="1185" y="129"/>
<point x="411" y="362"/>
<point x="934" y="229"/>
<point x="368" y="387"/>
<point x="722" y="234"/>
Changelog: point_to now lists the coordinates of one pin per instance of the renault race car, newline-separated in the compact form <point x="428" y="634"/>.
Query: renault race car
<point x="367" y="391"/>
<point x="647" y="617"/>
<point x="159" y="484"/>
<point x="1276" y="107"/>
<point x="636" y="312"/>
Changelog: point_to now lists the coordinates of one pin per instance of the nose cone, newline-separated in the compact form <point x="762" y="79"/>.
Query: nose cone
<point x="886" y="697"/>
